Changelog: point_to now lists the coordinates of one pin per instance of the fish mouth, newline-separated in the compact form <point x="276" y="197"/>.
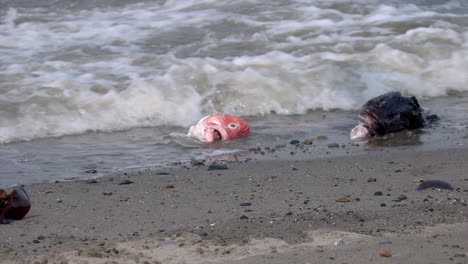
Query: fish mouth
<point x="217" y="135"/>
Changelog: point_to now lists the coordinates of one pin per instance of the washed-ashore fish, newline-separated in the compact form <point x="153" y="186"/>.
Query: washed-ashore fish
<point x="13" y="206"/>
<point x="389" y="113"/>
<point x="219" y="127"/>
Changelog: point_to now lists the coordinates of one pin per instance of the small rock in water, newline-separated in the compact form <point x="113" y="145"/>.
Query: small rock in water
<point x="438" y="184"/>
<point x="125" y="182"/>
<point x="197" y="162"/>
<point x="294" y="142"/>
<point x="91" y="171"/>
<point x="218" y="167"/>
<point x="339" y="242"/>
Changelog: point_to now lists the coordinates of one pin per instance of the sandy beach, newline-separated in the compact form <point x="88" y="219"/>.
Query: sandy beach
<point x="342" y="209"/>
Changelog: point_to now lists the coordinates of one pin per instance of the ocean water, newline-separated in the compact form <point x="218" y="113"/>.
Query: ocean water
<point x="114" y="84"/>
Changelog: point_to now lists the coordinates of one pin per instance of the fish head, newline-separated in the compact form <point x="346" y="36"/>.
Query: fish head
<point x="227" y="126"/>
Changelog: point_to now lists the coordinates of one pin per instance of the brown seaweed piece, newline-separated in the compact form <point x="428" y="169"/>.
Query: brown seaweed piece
<point x="14" y="206"/>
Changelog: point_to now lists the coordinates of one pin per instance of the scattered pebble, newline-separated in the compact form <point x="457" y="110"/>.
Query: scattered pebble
<point x="321" y="137"/>
<point x="218" y="167"/>
<point x="91" y="171"/>
<point x="339" y="242"/>
<point x="162" y="173"/>
<point x="438" y="184"/>
<point x="378" y="193"/>
<point x="169" y="186"/>
<point x="246" y="204"/>
<point x="294" y="142"/>
<point x="125" y="182"/>
<point x="107" y="193"/>
<point x="385" y="253"/>
<point x="307" y="142"/>
<point x="371" y="180"/>
<point x="197" y="163"/>
<point x="343" y="200"/>
<point x="90" y="181"/>
<point x="401" y="197"/>
<point x="244" y="217"/>
<point x="333" y="145"/>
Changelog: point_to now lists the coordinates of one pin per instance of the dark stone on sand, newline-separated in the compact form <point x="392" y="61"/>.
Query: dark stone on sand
<point x="371" y="180"/>
<point x="197" y="163"/>
<point x="199" y="232"/>
<point x="90" y="181"/>
<point x="294" y="142"/>
<point x="378" y="193"/>
<point x="438" y="184"/>
<point x="35" y="241"/>
<point x="383" y="204"/>
<point x="125" y="182"/>
<point x="218" y="167"/>
<point x="91" y="171"/>
<point x="162" y="173"/>
<point x="244" y="217"/>
<point x="333" y="145"/>
<point x="246" y="204"/>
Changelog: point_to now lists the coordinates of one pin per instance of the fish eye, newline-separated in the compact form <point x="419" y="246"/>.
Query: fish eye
<point x="232" y="125"/>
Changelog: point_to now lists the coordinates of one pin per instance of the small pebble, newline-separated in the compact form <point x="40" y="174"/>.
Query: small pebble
<point x="378" y="193"/>
<point x="343" y="200"/>
<point x="243" y="217"/>
<point x="333" y="145"/>
<point x="246" y="204"/>
<point x="438" y="184"/>
<point x="294" y="142"/>
<point x="125" y="182"/>
<point x="371" y="180"/>
<point x="218" y="167"/>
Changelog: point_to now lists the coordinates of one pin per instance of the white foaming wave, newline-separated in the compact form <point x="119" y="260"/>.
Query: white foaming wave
<point x="319" y="58"/>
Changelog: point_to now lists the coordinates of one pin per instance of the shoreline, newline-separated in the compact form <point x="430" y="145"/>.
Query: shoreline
<point x="252" y="201"/>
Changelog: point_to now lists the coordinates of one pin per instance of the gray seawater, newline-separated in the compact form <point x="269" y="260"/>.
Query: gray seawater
<point x="111" y="85"/>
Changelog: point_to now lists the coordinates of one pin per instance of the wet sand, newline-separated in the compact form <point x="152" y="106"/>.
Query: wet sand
<point x="341" y="209"/>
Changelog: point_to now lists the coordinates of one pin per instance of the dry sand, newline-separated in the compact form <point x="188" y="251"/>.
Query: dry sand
<point x="255" y="211"/>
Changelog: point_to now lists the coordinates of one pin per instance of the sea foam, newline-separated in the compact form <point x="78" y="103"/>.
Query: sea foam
<point x="68" y="71"/>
